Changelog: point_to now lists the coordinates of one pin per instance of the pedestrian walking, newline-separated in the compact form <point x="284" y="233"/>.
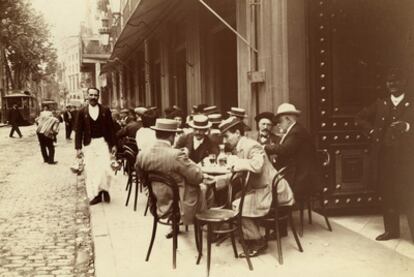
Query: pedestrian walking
<point x="15" y="118"/>
<point x="68" y="118"/>
<point x="95" y="131"/>
<point x="47" y="129"/>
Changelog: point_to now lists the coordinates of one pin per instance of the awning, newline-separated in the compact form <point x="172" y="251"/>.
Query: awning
<point x="144" y="20"/>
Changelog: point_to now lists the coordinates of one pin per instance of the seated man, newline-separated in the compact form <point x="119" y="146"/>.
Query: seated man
<point x="296" y="151"/>
<point x="250" y="156"/>
<point x="162" y="157"/>
<point x="130" y="129"/>
<point x="145" y="136"/>
<point x="198" y="143"/>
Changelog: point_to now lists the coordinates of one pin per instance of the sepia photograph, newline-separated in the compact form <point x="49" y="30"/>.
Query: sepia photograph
<point x="206" y="138"/>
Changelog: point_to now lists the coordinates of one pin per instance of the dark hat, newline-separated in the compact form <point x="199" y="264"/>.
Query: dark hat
<point x="199" y="121"/>
<point x="199" y="108"/>
<point x="229" y="123"/>
<point x="172" y="112"/>
<point x="394" y="73"/>
<point x="262" y="115"/>
<point x="210" y="110"/>
<point x="238" y="112"/>
<point x="166" y="125"/>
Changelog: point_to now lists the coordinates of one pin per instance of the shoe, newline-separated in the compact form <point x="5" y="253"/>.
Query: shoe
<point x="255" y="250"/>
<point x="54" y="162"/>
<point x="96" y="200"/>
<point x="170" y="234"/>
<point x="273" y="236"/>
<point x="106" y="197"/>
<point x="387" y="236"/>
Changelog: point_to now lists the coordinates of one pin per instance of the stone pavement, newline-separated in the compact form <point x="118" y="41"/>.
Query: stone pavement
<point x="121" y="237"/>
<point x="44" y="216"/>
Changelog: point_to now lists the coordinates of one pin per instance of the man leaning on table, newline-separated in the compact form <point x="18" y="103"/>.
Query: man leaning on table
<point x="162" y="157"/>
<point x="250" y="156"/>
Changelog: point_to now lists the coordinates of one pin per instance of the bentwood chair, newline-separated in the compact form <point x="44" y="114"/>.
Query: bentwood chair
<point x="277" y="214"/>
<point x="315" y="197"/>
<point x="215" y="217"/>
<point x="169" y="217"/>
<point x="133" y="179"/>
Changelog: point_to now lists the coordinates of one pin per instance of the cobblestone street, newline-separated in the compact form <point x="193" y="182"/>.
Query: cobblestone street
<point x="44" y="216"/>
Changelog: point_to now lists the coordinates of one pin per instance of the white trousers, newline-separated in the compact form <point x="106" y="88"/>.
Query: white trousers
<point x="99" y="174"/>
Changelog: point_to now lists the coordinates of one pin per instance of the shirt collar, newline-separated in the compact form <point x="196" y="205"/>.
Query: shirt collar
<point x="397" y="99"/>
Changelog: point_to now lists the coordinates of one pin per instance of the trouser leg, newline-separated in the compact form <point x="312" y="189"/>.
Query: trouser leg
<point x="50" y="148"/>
<point x="13" y="128"/>
<point x="250" y="229"/>
<point x="43" y="147"/>
<point x="68" y="131"/>
<point x="18" y="131"/>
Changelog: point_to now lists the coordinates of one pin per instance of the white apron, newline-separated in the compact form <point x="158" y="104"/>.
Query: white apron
<point x="98" y="172"/>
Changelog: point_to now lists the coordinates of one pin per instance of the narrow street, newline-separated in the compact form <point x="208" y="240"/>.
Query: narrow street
<point x="44" y="216"/>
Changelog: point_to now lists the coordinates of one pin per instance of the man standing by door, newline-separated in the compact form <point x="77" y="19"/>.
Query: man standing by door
<point x="94" y="130"/>
<point x="15" y="118"/>
<point x="389" y="124"/>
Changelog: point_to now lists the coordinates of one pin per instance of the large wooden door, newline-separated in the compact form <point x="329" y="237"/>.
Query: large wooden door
<point x="352" y="42"/>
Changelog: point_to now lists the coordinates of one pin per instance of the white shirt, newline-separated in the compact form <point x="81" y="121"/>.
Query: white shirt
<point x="197" y="143"/>
<point x="145" y="138"/>
<point x="93" y="111"/>
<point x="397" y="99"/>
<point x="287" y="132"/>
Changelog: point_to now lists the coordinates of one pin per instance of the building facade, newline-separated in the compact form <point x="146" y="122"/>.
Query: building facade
<point x="328" y="57"/>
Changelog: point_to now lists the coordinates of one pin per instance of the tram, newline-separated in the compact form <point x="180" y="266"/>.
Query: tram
<point x="26" y="103"/>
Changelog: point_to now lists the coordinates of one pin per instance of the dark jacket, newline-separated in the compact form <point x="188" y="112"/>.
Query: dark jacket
<point x="15" y="117"/>
<point x="83" y="127"/>
<point x="130" y="130"/>
<point x="298" y="153"/>
<point x="196" y="155"/>
<point x="392" y="151"/>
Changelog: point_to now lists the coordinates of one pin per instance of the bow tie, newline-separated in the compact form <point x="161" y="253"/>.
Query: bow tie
<point x="264" y="136"/>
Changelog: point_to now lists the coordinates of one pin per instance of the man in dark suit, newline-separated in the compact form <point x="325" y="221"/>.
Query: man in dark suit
<point x="197" y="143"/>
<point x="94" y="131"/>
<point x="68" y="119"/>
<point x="296" y="151"/>
<point x="389" y="124"/>
<point x="15" y="118"/>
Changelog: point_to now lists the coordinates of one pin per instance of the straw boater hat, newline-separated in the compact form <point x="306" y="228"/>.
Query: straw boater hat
<point x="210" y="110"/>
<point x="286" y="108"/>
<point x="215" y="118"/>
<point x="200" y="122"/>
<point x="198" y="109"/>
<point x="166" y="125"/>
<point x="229" y="123"/>
<point x="237" y="112"/>
<point x="140" y="110"/>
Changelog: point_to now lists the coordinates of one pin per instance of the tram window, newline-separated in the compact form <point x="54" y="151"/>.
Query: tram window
<point x="12" y="101"/>
<point x="25" y="103"/>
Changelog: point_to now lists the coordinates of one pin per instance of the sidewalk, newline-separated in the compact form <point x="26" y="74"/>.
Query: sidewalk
<point x="121" y="237"/>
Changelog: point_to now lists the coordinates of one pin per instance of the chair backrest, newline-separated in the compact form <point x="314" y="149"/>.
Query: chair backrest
<point x="130" y="157"/>
<point x="275" y="182"/>
<point x="163" y="180"/>
<point x="240" y="178"/>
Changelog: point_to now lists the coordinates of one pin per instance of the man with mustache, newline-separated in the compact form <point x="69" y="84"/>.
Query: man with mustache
<point x="389" y="124"/>
<point x="95" y="133"/>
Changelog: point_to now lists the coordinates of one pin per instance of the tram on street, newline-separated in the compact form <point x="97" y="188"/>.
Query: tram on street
<point x="26" y="103"/>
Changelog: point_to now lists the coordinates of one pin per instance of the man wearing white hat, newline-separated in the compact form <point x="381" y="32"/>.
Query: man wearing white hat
<point x="162" y="157"/>
<point x="296" y="151"/>
<point x="198" y="143"/>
